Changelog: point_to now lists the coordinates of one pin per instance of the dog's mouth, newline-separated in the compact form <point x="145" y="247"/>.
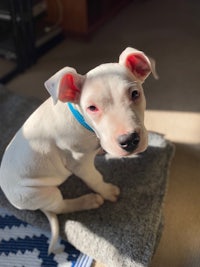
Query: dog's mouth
<point x="119" y="152"/>
<point x="126" y="145"/>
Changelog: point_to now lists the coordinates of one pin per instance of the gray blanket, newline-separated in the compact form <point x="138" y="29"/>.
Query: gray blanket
<point x="119" y="234"/>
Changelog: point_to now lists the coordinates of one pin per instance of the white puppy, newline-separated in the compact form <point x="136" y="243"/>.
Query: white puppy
<point x="104" y="108"/>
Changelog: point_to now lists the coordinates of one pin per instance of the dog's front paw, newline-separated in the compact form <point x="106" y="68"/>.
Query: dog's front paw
<point x="92" y="201"/>
<point x="110" y="192"/>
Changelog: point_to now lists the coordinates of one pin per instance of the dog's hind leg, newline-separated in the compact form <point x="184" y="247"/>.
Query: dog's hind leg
<point x="50" y="201"/>
<point x="59" y="205"/>
<point x="50" y="198"/>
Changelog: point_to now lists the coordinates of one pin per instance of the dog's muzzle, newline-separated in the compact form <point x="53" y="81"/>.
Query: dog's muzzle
<point x="129" y="142"/>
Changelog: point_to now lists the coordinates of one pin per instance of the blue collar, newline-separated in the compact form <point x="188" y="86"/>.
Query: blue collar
<point x="79" y="117"/>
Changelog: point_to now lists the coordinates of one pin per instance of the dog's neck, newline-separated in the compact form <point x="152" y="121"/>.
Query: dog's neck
<point x="79" y="117"/>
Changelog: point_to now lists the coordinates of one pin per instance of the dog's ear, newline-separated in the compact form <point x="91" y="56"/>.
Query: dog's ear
<point x="138" y="63"/>
<point x="65" y="85"/>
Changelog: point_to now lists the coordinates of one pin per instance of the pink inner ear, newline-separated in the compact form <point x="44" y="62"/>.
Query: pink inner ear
<point x="138" y="65"/>
<point x="68" y="92"/>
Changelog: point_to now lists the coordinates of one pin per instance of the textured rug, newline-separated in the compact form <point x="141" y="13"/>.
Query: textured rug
<point x="22" y="245"/>
<point x="119" y="234"/>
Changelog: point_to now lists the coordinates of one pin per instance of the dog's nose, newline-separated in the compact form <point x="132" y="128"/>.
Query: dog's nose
<point x="129" y="142"/>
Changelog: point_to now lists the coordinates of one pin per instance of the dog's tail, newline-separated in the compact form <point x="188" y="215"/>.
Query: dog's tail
<point x="54" y="225"/>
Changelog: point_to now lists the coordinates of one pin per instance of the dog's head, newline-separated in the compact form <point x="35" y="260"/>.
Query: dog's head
<point x="111" y="99"/>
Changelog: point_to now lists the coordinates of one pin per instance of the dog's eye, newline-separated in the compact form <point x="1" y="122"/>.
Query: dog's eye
<point x="135" y="94"/>
<point x="93" y="108"/>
